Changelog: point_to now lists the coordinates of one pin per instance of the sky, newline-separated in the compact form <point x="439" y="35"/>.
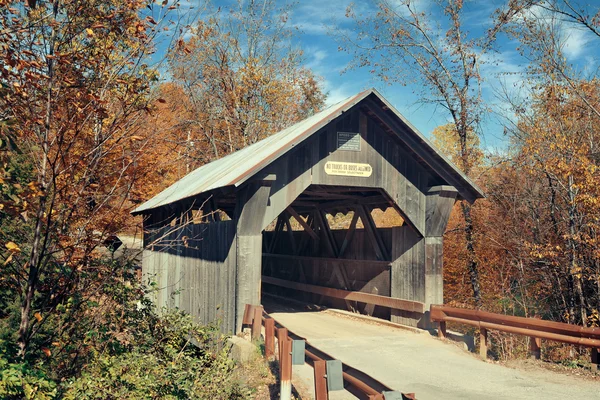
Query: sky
<point x="317" y="20"/>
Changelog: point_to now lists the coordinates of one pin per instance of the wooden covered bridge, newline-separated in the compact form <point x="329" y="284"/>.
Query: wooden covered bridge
<point x="261" y="218"/>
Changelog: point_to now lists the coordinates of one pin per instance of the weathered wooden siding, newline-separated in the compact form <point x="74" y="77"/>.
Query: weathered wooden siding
<point x="395" y="169"/>
<point x="407" y="271"/>
<point x="198" y="278"/>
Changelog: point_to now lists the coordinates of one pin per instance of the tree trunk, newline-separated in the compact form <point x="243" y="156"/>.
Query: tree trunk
<point x="472" y="264"/>
<point x="575" y="269"/>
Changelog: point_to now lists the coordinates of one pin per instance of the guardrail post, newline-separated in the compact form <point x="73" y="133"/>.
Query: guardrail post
<point x="285" y="365"/>
<point x="595" y="359"/>
<point x="535" y="347"/>
<point x="320" y="369"/>
<point x="247" y="318"/>
<point x="269" y="337"/>
<point x="442" y="330"/>
<point x="257" y="322"/>
<point x="483" y="343"/>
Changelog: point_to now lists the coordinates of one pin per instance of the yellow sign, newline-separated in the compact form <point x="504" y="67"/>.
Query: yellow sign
<point x="348" y="169"/>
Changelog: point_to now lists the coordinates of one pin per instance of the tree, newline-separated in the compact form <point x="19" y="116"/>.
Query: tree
<point x="241" y="80"/>
<point x="74" y="83"/>
<point x="561" y="143"/>
<point x="401" y="44"/>
<point x="555" y="136"/>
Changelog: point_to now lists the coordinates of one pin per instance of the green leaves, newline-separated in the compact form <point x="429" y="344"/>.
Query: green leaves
<point x="20" y="381"/>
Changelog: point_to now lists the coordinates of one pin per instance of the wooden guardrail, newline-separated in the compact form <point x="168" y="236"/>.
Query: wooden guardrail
<point x="359" y="383"/>
<point x="536" y="329"/>
<point x="384" y="301"/>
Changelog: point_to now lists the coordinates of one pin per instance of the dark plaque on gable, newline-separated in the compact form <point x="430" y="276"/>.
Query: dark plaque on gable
<point x="349" y="141"/>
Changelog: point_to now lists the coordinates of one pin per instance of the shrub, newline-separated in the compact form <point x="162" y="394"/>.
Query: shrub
<point x="181" y="360"/>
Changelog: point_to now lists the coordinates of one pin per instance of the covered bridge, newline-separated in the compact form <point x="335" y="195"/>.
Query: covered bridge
<point x="261" y="218"/>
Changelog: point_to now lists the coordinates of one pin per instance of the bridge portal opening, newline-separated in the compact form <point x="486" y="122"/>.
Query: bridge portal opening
<point x="332" y="237"/>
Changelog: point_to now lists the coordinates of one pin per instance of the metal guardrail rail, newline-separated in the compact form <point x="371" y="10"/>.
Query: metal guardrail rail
<point x="536" y="329"/>
<point x="358" y="383"/>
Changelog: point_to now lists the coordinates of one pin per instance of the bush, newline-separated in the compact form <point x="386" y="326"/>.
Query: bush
<point x="20" y="381"/>
<point x="180" y="361"/>
<point x="105" y="340"/>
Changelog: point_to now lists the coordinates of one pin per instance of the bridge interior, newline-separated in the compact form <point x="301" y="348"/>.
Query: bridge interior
<point x="329" y="237"/>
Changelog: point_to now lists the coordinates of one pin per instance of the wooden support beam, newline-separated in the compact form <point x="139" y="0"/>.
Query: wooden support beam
<point x="278" y="228"/>
<point x="366" y="263"/>
<point x="370" y="200"/>
<point x="214" y="216"/>
<point x="331" y="243"/>
<point x="384" y="301"/>
<point x="306" y="227"/>
<point x="349" y="235"/>
<point x="329" y="239"/>
<point x="327" y="195"/>
<point x="373" y="233"/>
<point x="290" y="232"/>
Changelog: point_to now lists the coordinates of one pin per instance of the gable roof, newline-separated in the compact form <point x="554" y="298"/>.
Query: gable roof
<point x="234" y="169"/>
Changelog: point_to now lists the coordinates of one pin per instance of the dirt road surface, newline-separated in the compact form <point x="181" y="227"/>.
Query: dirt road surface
<point x="419" y="363"/>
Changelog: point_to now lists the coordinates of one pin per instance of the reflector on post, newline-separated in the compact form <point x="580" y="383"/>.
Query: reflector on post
<point x="335" y="378"/>
<point x="393" y="396"/>
<point x="298" y="347"/>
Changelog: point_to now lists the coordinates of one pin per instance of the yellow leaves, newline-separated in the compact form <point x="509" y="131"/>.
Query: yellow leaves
<point x="35" y="189"/>
<point x="12" y="247"/>
<point x="90" y="32"/>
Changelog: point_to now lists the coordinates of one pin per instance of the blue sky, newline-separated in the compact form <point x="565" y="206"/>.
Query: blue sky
<point x="316" y="19"/>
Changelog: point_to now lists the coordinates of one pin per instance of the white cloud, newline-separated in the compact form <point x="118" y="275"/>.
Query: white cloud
<point x="337" y="93"/>
<point x="316" y="58"/>
<point x="575" y="43"/>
